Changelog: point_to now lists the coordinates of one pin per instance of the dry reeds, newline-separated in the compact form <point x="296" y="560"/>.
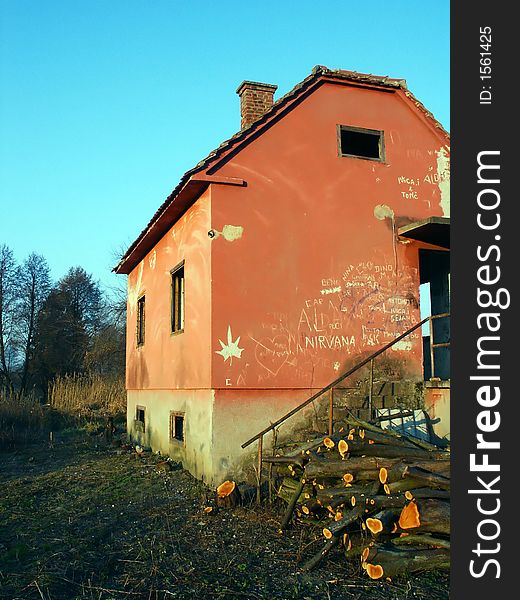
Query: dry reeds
<point x="88" y="396"/>
<point x="21" y="419"/>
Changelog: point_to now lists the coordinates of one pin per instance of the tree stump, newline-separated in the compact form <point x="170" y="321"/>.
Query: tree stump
<point x="228" y="495"/>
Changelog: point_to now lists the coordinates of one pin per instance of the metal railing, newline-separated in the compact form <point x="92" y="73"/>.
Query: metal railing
<point x="330" y="388"/>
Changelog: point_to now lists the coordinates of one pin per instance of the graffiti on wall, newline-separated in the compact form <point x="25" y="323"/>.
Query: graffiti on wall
<point x="230" y="348"/>
<point x="366" y="306"/>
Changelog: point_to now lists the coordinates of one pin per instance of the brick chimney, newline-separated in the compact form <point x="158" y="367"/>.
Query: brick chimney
<point x="255" y="100"/>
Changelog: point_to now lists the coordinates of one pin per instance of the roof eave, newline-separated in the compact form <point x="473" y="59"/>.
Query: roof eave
<point x="191" y="185"/>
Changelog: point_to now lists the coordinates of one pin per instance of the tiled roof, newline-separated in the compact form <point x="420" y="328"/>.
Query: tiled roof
<point x="211" y="161"/>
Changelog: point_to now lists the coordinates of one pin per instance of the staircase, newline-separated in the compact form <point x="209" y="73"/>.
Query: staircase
<point x="363" y="399"/>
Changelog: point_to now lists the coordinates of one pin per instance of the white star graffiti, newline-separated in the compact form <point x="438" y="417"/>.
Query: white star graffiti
<point x="231" y="348"/>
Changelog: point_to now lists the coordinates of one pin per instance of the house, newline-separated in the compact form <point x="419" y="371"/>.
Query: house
<point x="296" y="248"/>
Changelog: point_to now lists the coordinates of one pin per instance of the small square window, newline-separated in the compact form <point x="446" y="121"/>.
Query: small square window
<point x="140" y="320"/>
<point x="177" y="311"/>
<point x="357" y="142"/>
<point x="177" y="426"/>
<point x="140" y="417"/>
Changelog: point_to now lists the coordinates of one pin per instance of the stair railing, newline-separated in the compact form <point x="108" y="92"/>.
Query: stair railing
<point x="330" y="388"/>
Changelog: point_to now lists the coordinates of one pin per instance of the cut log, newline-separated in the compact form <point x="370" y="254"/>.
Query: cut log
<point x="365" y="481"/>
<point x="343" y="448"/>
<point x="298" y="461"/>
<point x="352" y="515"/>
<point x="381" y="437"/>
<point x="337" y="468"/>
<point x="425" y="492"/>
<point x="439" y="468"/>
<point x="375" y="526"/>
<point x="396" y="468"/>
<point x="318" y="557"/>
<point x="433" y="516"/>
<point x="228" y="495"/>
<point x="288" y="487"/>
<point x="330" y="494"/>
<point x="374" y="571"/>
<point x="290" y="507"/>
<point x="428" y="478"/>
<point x="389" y="451"/>
<point x="395" y="562"/>
<point x="421" y="539"/>
<point x="410" y="518"/>
<point x="383" y="475"/>
<point x="388" y="519"/>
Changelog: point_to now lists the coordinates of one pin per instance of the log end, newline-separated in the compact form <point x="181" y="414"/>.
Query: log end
<point x="409" y="518"/>
<point x="383" y="475"/>
<point x="375" y="526"/>
<point x="374" y="571"/>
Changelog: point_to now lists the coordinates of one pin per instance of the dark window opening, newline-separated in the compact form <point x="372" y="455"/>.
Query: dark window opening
<point x="139" y="417"/>
<point x="361" y="143"/>
<point x="140" y="321"/>
<point x="177" y="426"/>
<point x="178" y="299"/>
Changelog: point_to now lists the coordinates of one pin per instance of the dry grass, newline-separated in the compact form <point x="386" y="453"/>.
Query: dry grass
<point x="88" y="396"/>
<point x="83" y="520"/>
<point x="21" y="419"/>
<point x="79" y="400"/>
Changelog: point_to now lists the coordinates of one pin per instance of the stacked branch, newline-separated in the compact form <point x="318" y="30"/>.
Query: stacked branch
<point x="382" y="496"/>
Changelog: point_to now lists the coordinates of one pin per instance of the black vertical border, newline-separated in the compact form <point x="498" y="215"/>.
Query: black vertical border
<point x="477" y="127"/>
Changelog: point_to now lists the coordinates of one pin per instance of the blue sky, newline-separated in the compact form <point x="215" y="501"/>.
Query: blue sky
<point x="104" y="104"/>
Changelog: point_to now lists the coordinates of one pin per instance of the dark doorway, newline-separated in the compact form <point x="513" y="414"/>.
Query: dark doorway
<point x="434" y="269"/>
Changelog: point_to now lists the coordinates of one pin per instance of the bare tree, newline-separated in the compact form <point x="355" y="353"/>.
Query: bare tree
<point x="34" y="284"/>
<point x="8" y="299"/>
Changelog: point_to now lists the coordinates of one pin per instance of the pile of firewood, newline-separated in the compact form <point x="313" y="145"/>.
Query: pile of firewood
<point x="383" y="496"/>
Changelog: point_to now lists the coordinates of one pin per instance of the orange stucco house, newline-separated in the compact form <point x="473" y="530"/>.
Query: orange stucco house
<point x="294" y="249"/>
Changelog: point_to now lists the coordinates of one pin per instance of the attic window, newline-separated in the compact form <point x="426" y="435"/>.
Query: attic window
<point x="177" y="312"/>
<point x="177" y="426"/>
<point x="361" y="143"/>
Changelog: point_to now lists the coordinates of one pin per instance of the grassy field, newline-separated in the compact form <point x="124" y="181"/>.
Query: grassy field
<point x="82" y="519"/>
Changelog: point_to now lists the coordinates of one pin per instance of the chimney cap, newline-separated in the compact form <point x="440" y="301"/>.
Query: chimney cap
<point x="256" y="85"/>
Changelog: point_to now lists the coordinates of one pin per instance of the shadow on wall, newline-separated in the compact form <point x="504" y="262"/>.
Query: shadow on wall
<point x="137" y="375"/>
<point x="418" y="425"/>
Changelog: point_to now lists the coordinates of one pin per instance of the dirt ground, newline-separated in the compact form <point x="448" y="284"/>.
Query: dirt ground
<point x="83" y="520"/>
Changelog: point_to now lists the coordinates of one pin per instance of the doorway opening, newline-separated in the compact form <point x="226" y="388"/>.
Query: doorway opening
<point x="434" y="299"/>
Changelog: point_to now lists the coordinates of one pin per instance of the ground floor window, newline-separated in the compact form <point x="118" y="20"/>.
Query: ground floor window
<point x="177" y="426"/>
<point x="140" y="418"/>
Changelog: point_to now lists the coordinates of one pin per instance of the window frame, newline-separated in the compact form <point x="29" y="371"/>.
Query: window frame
<point x="175" y="327"/>
<point x="141" y="321"/>
<point x="174" y="414"/>
<point x="142" y="423"/>
<point x="381" y="143"/>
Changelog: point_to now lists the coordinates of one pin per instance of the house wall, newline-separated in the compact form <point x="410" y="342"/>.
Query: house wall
<point x="171" y="372"/>
<point x="303" y="277"/>
<point x="314" y="279"/>
<point x="196" y="451"/>
<point x="166" y="360"/>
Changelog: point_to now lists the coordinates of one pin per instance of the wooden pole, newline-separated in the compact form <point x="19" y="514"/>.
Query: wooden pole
<point x="259" y="484"/>
<point x="331" y="411"/>
<point x="432" y="358"/>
